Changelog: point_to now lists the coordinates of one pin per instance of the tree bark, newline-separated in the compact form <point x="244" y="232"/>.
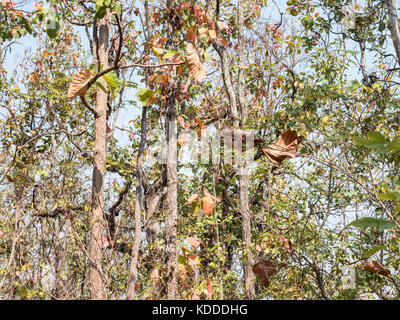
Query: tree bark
<point x="97" y="222"/>
<point x="394" y="25"/>
<point x="172" y="176"/>
<point x="139" y="184"/>
<point x="244" y="178"/>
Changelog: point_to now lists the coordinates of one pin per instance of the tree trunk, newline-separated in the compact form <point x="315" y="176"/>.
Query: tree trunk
<point x="97" y="222"/>
<point x="132" y="279"/>
<point x="243" y="178"/>
<point x="394" y="25"/>
<point x="172" y="176"/>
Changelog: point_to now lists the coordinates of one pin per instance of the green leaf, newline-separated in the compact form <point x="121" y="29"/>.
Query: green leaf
<point x="113" y="82"/>
<point x="144" y="94"/>
<point x="375" y="136"/>
<point x="52" y="26"/>
<point x="101" y="12"/>
<point x="22" y="292"/>
<point x="100" y="85"/>
<point x="372" y="251"/>
<point x="391" y="195"/>
<point x="181" y="259"/>
<point x="374" y="140"/>
<point x="169" y="53"/>
<point x="372" y="222"/>
<point x="195" y="208"/>
<point x="393" y="145"/>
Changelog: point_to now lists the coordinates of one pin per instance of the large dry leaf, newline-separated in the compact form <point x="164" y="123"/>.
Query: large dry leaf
<point x="78" y="86"/>
<point x="264" y="270"/>
<point x="208" y="205"/>
<point x="376" y="267"/>
<point x="285" y="147"/>
<point x="196" y="68"/>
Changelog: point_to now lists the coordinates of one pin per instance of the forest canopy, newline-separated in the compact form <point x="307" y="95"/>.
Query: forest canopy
<point x="193" y="150"/>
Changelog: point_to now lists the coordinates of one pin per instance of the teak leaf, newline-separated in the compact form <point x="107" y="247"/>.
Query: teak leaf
<point x="195" y="66"/>
<point x="78" y="86"/>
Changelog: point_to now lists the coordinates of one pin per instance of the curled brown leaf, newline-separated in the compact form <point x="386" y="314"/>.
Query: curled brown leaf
<point x="375" y="267"/>
<point x="285" y="147"/>
<point x="195" y="66"/>
<point x="264" y="270"/>
<point x="78" y="86"/>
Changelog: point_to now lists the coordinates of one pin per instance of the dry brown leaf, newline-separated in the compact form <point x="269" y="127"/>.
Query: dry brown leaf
<point x="191" y="35"/>
<point x="210" y="290"/>
<point x="78" y="86"/>
<point x="285" y="147"/>
<point x="195" y="66"/>
<point x="208" y="205"/>
<point x="376" y="267"/>
<point x="285" y="242"/>
<point x="212" y="34"/>
<point x="193" y="198"/>
<point x="194" y="242"/>
<point x="194" y="262"/>
<point x="264" y="270"/>
<point x="181" y="121"/>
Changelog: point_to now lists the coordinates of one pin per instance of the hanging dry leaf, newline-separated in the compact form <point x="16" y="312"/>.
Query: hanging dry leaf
<point x="191" y="35"/>
<point x="194" y="242"/>
<point x="194" y="262"/>
<point x="208" y="205"/>
<point x="285" y="242"/>
<point x="78" y="86"/>
<point x="212" y="35"/>
<point x="193" y="198"/>
<point x="285" y="147"/>
<point x="195" y="66"/>
<point x="181" y="121"/>
<point x="182" y="140"/>
<point x="376" y="267"/>
<point x="209" y="291"/>
<point x="264" y="270"/>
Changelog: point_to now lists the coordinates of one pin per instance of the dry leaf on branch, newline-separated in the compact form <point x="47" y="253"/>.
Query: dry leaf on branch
<point x="209" y="291"/>
<point x="285" y="147"/>
<point x="195" y="66"/>
<point x="285" y="242"/>
<point x="194" y="262"/>
<point x="78" y="86"/>
<point x="376" y="267"/>
<point x="208" y="205"/>
<point x="264" y="270"/>
<point x="194" y="242"/>
<point x="193" y="198"/>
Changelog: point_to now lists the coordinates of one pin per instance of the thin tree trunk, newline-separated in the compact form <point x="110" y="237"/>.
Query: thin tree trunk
<point x="394" y="25"/>
<point x="172" y="177"/>
<point x="96" y="275"/>
<point x="244" y="178"/>
<point x="132" y="279"/>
